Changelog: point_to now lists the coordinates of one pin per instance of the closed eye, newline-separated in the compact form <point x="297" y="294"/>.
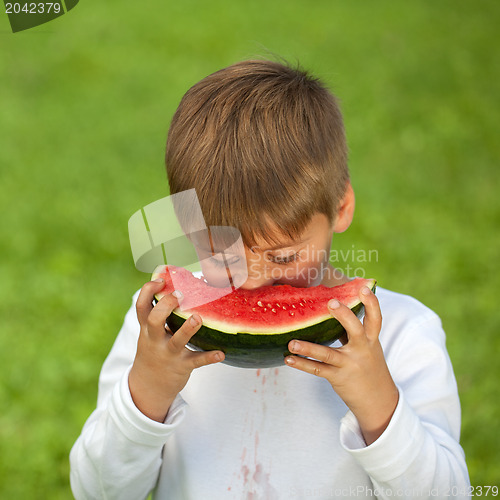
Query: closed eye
<point x="220" y="262"/>
<point x="283" y="261"/>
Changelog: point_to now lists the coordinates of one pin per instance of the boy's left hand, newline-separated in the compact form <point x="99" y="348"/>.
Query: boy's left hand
<point x="357" y="371"/>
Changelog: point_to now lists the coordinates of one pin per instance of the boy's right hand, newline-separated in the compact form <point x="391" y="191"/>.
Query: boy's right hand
<point x="163" y="364"/>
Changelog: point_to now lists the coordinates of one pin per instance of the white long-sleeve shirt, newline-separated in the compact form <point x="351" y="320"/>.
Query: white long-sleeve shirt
<point x="279" y="433"/>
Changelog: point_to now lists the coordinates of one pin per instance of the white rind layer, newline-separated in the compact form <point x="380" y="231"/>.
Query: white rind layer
<point x="235" y="328"/>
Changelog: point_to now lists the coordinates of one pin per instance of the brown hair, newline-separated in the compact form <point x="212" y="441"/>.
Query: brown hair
<point x="259" y="141"/>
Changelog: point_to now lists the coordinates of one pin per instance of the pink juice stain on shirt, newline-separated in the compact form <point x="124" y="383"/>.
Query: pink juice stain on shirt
<point x="261" y="479"/>
<point x="245" y="471"/>
<point x="255" y="470"/>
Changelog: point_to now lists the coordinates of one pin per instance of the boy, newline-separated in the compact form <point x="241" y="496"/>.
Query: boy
<point x="377" y="417"/>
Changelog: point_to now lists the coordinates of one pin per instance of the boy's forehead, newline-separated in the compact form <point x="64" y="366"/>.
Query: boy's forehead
<point x="279" y="239"/>
<point x="221" y="238"/>
<point x="282" y="242"/>
<point x="275" y="237"/>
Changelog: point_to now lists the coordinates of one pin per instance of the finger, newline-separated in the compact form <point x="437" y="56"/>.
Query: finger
<point x="322" y="353"/>
<point x="144" y="302"/>
<point x="158" y="316"/>
<point x="348" y="320"/>
<point x="199" y="359"/>
<point x="310" y="366"/>
<point x="184" y="334"/>
<point x="372" y="321"/>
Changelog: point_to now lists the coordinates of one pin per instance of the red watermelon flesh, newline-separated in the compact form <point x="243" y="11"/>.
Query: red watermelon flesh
<point x="269" y="309"/>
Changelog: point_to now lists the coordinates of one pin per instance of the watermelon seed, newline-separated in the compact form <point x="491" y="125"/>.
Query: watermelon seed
<point x="311" y="307"/>
<point x="253" y="309"/>
<point x="301" y="304"/>
<point x="269" y="305"/>
<point x="291" y="313"/>
<point x="284" y="308"/>
<point x="259" y="303"/>
<point x="265" y="309"/>
<point x="273" y="310"/>
<point x="293" y="305"/>
<point x="278" y="304"/>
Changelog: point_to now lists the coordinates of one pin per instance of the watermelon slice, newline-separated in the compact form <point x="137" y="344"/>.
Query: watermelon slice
<point x="253" y="327"/>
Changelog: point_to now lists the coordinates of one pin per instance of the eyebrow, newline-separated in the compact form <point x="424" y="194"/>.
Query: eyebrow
<point x="269" y="249"/>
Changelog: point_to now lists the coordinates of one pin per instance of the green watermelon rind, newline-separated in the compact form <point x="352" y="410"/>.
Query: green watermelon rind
<point x="247" y="350"/>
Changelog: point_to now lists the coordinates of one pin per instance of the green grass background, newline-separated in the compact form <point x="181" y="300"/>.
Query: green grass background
<point x="85" y="103"/>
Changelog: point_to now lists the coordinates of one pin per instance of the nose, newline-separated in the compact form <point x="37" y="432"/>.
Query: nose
<point x="256" y="279"/>
<point x="254" y="283"/>
<point x="257" y="274"/>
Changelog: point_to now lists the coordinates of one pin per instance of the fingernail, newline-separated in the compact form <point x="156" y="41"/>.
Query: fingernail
<point x="289" y="360"/>
<point x="158" y="280"/>
<point x="333" y="304"/>
<point x="177" y="294"/>
<point x="365" y="290"/>
<point x="295" y="346"/>
<point x="193" y="320"/>
<point x="218" y="357"/>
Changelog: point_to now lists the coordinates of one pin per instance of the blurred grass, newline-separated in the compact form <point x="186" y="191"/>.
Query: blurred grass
<point x="85" y="106"/>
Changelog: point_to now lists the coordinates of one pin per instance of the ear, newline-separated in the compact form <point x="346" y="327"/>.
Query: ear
<point x="346" y="210"/>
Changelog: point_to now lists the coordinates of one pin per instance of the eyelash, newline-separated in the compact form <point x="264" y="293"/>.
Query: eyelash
<point x="280" y="261"/>
<point x="222" y="263"/>
<point x="286" y="260"/>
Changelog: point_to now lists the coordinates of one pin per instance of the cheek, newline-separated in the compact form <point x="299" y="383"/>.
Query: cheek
<point x="314" y="256"/>
<point x="303" y="274"/>
<point x="309" y="268"/>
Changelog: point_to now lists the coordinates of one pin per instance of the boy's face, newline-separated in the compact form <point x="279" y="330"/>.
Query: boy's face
<point x="300" y="263"/>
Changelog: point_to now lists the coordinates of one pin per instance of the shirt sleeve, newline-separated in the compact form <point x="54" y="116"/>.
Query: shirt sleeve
<point x="418" y="455"/>
<point x="118" y="454"/>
